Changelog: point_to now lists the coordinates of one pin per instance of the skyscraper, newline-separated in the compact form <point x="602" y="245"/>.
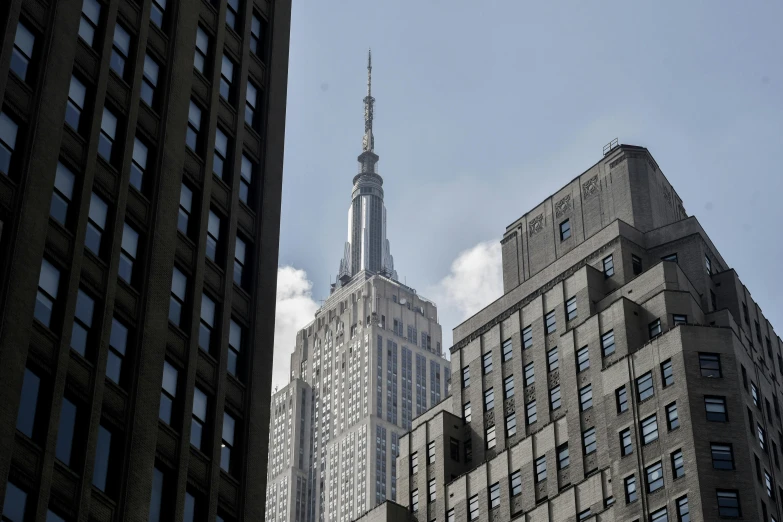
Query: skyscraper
<point x="626" y="374"/>
<point x="369" y="362"/>
<point x="141" y="148"/>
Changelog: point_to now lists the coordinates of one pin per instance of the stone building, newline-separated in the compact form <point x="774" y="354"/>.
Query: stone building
<point x="372" y="360"/>
<point x="141" y="150"/>
<point x="626" y="374"/>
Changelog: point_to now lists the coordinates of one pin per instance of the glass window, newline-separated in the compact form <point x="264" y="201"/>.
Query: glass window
<point x="644" y="386"/>
<point x="232" y="8"/>
<point x="527" y="337"/>
<point x="550" y="322"/>
<point x="508" y="386"/>
<point x="489" y="399"/>
<point x="77" y="95"/>
<point x="149" y="80"/>
<point x="670" y="257"/>
<point x="156" y="500"/>
<point x="636" y="263"/>
<point x="179" y="287"/>
<point x="494" y="495"/>
<point x="130" y="246"/>
<point x="678" y="464"/>
<point x="207" y="323"/>
<point x="108" y="135"/>
<point x="679" y="319"/>
<point x="28" y="404"/>
<point x="15" y="504"/>
<point x="257" y="36"/>
<point x="189" y="514"/>
<point x="607" y="343"/>
<point x="511" y="424"/>
<point x="168" y="392"/>
<point x="100" y="473"/>
<point x="626" y="442"/>
<point x="655" y="328"/>
<point x="709" y="364"/>
<point x="466" y="412"/>
<point x="552" y="359"/>
<point x="716" y="409"/>
<point x="8" y="132"/>
<point x="565" y="230"/>
<point x="22" y="54"/>
<point x="48" y="286"/>
<point x="246" y="180"/>
<point x="762" y="437"/>
<point x="120" y="50"/>
<point x="563" y="458"/>
<point x="516" y="483"/>
<point x="582" y="359"/>
<point x="62" y="195"/>
<point x="586" y="397"/>
<point x="226" y="78"/>
<point x="221" y="153"/>
<point x="654" y="474"/>
<point x="530" y="374"/>
<point x="432" y="491"/>
<point x="199" y="418"/>
<point x="722" y="456"/>
<point x="660" y="515"/>
<point x="708" y="264"/>
<point x="729" y="503"/>
<point x="96" y="224"/>
<point x="540" y="469"/>
<point x="473" y="508"/>
<point x="531" y="412"/>
<point x="414" y="463"/>
<point x="415" y="500"/>
<point x="82" y="322"/>
<point x="235" y="338"/>
<point x="650" y="429"/>
<point x="683" y="512"/>
<point x="554" y="398"/>
<point x="608" y="266"/>
<point x="667" y="373"/>
<point x="506" y="350"/>
<point x="754" y="393"/>
<point x="229" y="424"/>
<point x="138" y="164"/>
<point x="251" y="99"/>
<point x="158" y="13"/>
<point x="201" y="57"/>
<point x="465" y="377"/>
<point x="185" y="209"/>
<point x="588" y="440"/>
<point x="65" y="433"/>
<point x="672" y="416"/>
<point x="487" y="362"/>
<point x="630" y="489"/>
<point x="431" y="452"/>
<point x="490" y="437"/>
<point x="118" y="342"/>
<point x="571" y="312"/>
<point x="213" y="235"/>
<point x="88" y="25"/>
<point x="194" y="127"/>
<point x="622" y="399"/>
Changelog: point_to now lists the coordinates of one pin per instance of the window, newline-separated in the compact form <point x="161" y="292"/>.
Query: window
<point x="588" y="440"/>
<point x="219" y="162"/>
<point x="708" y="264"/>
<point x="754" y="393"/>
<point x="650" y="429"/>
<point x="432" y="491"/>
<point x="194" y="127"/>
<point x="744" y="377"/>
<point x="199" y="418"/>
<point x="227" y="78"/>
<point x="201" y="56"/>
<point x="193" y="507"/>
<point x="713" y="300"/>
<point x="473" y="507"/>
<point x="571" y="312"/>
<point x="660" y="515"/>
<point x="586" y="397"/>
<point x="48" y="287"/>
<point x="15" y="504"/>
<point x="678" y="464"/>
<point x="108" y="135"/>
<point x="62" y="194"/>
<point x="550" y="322"/>
<point x="130" y="245"/>
<point x="636" y="263"/>
<point x="494" y="495"/>
<point x="508" y="387"/>
<point x="672" y="417"/>
<point x="768" y="484"/>
<point x="511" y="424"/>
<point x="450" y="516"/>
<point x="709" y="363"/>
<point x="27" y="419"/>
<point x="149" y="80"/>
<point x="246" y="181"/>
<point x="670" y="257"/>
<point x="486" y="361"/>
<point x="120" y="50"/>
<point x="179" y="292"/>
<point x="530" y="374"/>
<point x="679" y="319"/>
<point x="257" y="36"/>
<point x="207" y="323"/>
<point x="722" y="456"/>
<point x="489" y="399"/>
<point x="654" y="328"/>
<point x="213" y="236"/>
<point x="466" y="412"/>
<point x="584" y="515"/>
<point x="745" y="313"/>
<point x="516" y="483"/>
<point x="565" y="230"/>
<point x="82" y="323"/>
<point x="103" y="452"/>
<point x="762" y="437"/>
<point x="118" y="342"/>
<point x="608" y="266"/>
<point x="158" y="511"/>
<point x="226" y="461"/>
<point x="563" y="458"/>
<point x="65" y="434"/>
<point x="415" y="500"/>
<point x="22" y="54"/>
<point x="716" y="409"/>
<point x="158" y="13"/>
<point x="138" y="164"/>
<point x="465" y="376"/>
<point x="644" y="386"/>
<point x="552" y="360"/>
<point x="8" y="132"/>
<point x="626" y="442"/>
<point x="667" y="373"/>
<point x="232" y="8"/>
<point x="729" y="503"/>
<point x="540" y="469"/>
<point x="622" y="399"/>
<point x="630" y="489"/>
<point x="431" y="452"/>
<point x="683" y="512"/>
<point x="185" y="209"/>
<point x="240" y="252"/>
<point x="88" y="25"/>
<point x="582" y="359"/>
<point x="506" y="349"/>
<point x="531" y="413"/>
<point x="96" y="224"/>
<point x="527" y="337"/>
<point x="554" y="398"/>
<point x="654" y="475"/>
<point x="77" y="95"/>
<point x="414" y="463"/>
<point x="251" y="103"/>
<point x="607" y="343"/>
<point x="168" y="392"/>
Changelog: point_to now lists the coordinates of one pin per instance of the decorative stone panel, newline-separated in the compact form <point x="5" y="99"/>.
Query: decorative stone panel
<point x="536" y="225"/>
<point x="590" y="187"/>
<point x="530" y="394"/>
<point x="553" y="379"/>
<point x="563" y="206"/>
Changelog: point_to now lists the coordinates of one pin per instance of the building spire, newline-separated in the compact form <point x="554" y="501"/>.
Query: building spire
<point x="368" y="141"/>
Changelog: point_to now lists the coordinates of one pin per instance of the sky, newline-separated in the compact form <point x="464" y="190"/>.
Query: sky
<point x="483" y="109"/>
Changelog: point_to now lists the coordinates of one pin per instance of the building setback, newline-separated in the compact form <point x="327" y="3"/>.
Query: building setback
<point x="625" y="375"/>
<point x="141" y="149"/>
<point x="368" y="364"/>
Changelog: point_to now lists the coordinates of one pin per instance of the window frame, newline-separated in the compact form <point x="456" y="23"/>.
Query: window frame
<point x="608" y="266"/>
<point x="565" y="230"/>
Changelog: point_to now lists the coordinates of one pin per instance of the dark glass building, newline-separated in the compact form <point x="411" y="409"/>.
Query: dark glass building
<point x="141" y="152"/>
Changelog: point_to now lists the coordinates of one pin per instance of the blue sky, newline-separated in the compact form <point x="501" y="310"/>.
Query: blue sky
<point x="485" y="108"/>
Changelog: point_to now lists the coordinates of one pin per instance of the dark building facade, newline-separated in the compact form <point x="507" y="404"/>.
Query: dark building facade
<point x="141" y="151"/>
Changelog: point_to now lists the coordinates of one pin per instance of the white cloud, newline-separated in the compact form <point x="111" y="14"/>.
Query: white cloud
<point x="295" y="308"/>
<point x="474" y="281"/>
